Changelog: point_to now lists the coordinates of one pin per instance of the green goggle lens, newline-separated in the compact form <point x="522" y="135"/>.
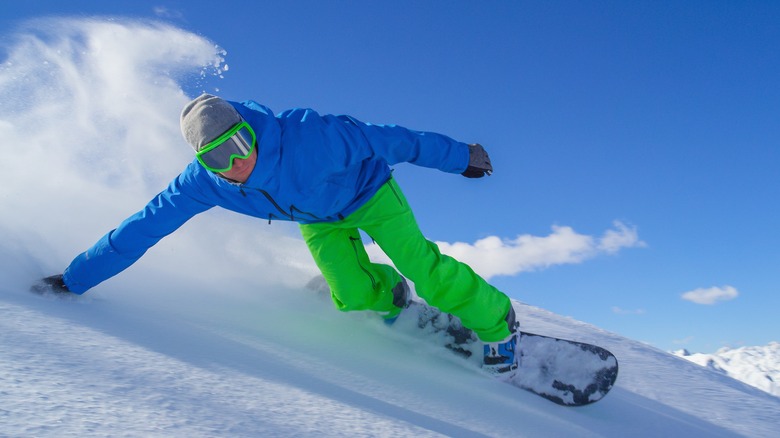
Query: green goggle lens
<point x="238" y="142"/>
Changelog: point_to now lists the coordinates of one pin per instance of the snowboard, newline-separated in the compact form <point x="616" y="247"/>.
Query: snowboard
<point x="565" y="372"/>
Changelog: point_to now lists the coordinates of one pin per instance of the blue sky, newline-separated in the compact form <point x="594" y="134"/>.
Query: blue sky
<point x="657" y="117"/>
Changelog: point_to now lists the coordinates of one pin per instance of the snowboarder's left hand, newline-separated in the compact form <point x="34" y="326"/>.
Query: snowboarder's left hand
<point x="479" y="162"/>
<point x="51" y="284"/>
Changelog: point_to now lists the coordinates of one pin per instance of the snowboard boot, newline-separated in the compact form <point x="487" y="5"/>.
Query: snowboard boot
<point x="501" y="359"/>
<point x="401" y="299"/>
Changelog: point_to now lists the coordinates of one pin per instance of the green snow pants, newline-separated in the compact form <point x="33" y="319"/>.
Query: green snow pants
<point x="443" y="282"/>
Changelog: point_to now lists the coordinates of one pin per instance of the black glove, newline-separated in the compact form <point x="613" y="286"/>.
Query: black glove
<point x="479" y="162"/>
<point x="52" y="284"/>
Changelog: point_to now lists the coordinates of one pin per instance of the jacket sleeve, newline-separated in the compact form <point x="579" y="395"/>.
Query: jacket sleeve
<point x="121" y="247"/>
<point x="396" y="144"/>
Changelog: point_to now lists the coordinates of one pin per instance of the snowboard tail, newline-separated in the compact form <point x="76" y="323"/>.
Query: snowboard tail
<point x="568" y="373"/>
<point x="565" y="372"/>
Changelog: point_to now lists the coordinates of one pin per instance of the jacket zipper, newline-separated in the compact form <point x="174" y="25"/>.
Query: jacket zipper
<point x="278" y="207"/>
<point x="289" y="215"/>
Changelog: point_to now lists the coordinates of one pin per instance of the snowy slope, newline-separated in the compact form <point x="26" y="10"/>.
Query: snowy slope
<point x="756" y="366"/>
<point x="281" y="362"/>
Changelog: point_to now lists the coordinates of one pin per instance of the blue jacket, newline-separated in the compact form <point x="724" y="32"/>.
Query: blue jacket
<point x="310" y="168"/>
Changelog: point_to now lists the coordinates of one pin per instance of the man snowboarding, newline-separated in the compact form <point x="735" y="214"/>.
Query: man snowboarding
<point x="331" y="174"/>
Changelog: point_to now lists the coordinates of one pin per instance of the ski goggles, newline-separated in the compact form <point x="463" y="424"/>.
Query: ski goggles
<point x="238" y="142"/>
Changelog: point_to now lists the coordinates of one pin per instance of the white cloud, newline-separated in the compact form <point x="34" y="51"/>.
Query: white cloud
<point x="493" y="256"/>
<point x="711" y="295"/>
<point x="621" y="237"/>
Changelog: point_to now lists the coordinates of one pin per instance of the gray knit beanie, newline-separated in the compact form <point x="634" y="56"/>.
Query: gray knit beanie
<point x="206" y="118"/>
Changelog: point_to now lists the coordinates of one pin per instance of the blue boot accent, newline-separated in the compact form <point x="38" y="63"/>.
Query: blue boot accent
<point x="499" y="358"/>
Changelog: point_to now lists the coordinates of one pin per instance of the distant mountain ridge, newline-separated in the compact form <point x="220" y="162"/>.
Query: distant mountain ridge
<point x="756" y="366"/>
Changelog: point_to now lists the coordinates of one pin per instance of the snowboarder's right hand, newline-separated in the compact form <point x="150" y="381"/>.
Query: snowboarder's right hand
<point x="52" y="284"/>
<point x="479" y="162"/>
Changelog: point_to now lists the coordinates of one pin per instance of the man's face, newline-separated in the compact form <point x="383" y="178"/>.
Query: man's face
<point x="242" y="168"/>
